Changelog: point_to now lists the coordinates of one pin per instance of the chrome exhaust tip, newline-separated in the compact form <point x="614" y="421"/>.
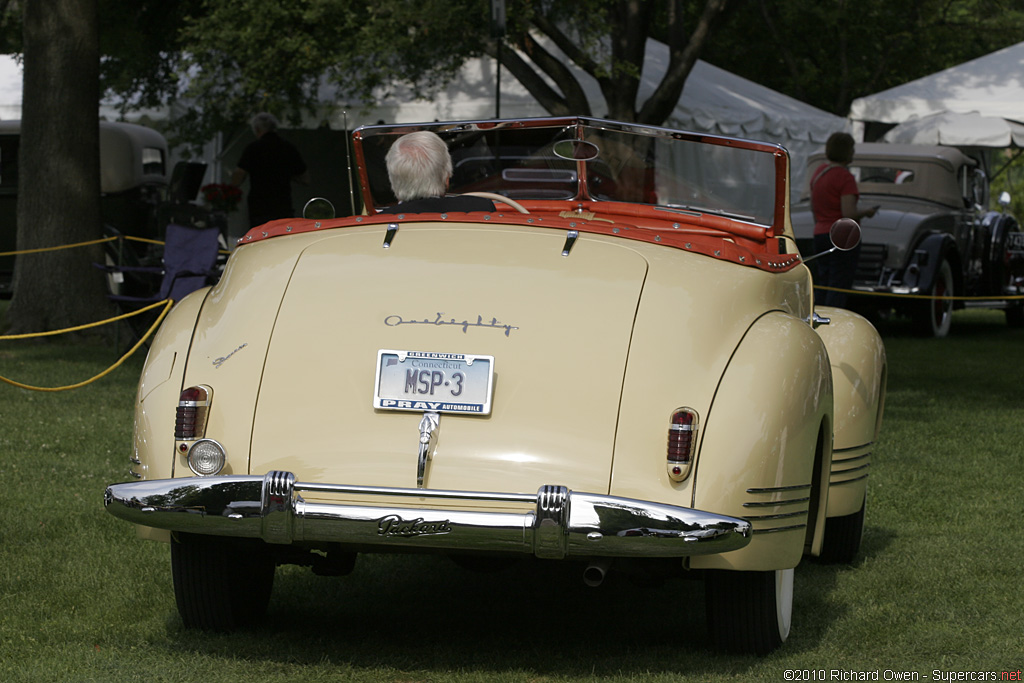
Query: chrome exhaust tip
<point x="593" y="575"/>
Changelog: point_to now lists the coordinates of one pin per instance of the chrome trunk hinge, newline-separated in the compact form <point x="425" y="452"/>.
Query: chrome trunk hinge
<point x="570" y="240"/>
<point x="389" y="236"/>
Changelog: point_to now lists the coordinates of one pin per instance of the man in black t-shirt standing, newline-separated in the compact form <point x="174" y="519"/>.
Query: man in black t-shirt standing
<point x="270" y="163"/>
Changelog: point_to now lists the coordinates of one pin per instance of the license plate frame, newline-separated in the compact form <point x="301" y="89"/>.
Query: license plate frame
<point x="423" y="381"/>
<point x="1015" y="241"/>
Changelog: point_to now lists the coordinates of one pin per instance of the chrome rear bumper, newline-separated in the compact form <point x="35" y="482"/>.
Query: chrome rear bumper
<point x="562" y="523"/>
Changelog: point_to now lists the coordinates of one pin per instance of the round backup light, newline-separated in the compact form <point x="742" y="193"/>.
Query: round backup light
<point x="206" y="457"/>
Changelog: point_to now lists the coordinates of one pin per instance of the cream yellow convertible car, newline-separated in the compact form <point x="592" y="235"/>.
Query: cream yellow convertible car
<point x="619" y="365"/>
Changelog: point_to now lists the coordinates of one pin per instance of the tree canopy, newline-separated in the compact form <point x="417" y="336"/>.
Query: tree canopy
<point x="219" y="61"/>
<point x="284" y="51"/>
<point x="829" y="53"/>
<point x="226" y="59"/>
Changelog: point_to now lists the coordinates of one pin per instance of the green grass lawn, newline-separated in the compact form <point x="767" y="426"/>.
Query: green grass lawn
<point x="938" y="586"/>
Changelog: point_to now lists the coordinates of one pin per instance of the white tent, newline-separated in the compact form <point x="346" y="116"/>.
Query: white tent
<point x="10" y="88"/>
<point x="992" y="85"/>
<point x="958" y="130"/>
<point x="11" y="74"/>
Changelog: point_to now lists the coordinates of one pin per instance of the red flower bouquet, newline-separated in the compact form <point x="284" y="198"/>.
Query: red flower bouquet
<point x="222" y="196"/>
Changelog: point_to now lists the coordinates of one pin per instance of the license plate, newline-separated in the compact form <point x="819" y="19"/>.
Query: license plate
<point x="1015" y="241"/>
<point x="434" y="382"/>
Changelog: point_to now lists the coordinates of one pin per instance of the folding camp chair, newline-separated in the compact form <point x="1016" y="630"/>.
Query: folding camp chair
<point x="189" y="260"/>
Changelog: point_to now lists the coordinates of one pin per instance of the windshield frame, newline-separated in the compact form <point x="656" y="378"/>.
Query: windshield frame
<point x="575" y="180"/>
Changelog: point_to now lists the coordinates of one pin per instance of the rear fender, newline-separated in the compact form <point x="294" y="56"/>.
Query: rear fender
<point x="857" y="356"/>
<point x="157" y="397"/>
<point x="761" y="440"/>
<point x="160" y="388"/>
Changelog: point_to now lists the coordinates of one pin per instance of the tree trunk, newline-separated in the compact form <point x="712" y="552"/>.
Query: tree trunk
<point x="59" y="175"/>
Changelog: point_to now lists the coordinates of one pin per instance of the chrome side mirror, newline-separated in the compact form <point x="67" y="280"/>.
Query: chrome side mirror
<point x="318" y="209"/>
<point x="845" y="235"/>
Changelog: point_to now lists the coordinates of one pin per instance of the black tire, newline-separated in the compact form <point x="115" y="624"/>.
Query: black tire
<point x="933" y="318"/>
<point x="749" y="612"/>
<point x="842" y="537"/>
<point x="220" y="584"/>
<point x="1015" y="316"/>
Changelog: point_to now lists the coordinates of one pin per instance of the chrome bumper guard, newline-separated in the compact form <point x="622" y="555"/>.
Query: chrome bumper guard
<point x="562" y="524"/>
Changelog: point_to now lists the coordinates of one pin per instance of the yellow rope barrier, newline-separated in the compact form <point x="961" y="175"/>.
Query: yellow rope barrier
<point x="1015" y="297"/>
<point x="51" y="333"/>
<point x="65" y="246"/>
<point x="104" y="240"/>
<point x="166" y="303"/>
<point x="132" y="238"/>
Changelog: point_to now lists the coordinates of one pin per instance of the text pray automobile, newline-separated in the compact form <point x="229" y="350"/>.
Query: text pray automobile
<point x="620" y="366"/>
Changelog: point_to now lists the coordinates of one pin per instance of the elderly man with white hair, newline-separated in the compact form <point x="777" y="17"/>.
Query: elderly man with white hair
<point x="419" y="168"/>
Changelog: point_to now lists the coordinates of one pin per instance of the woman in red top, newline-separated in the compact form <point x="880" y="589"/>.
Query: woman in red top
<point x="834" y="195"/>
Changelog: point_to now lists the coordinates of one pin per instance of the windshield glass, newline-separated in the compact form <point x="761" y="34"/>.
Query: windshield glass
<point x="684" y="174"/>
<point x="609" y="161"/>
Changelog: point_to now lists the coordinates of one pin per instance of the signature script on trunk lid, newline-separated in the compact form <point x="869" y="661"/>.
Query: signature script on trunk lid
<point x="439" y="321"/>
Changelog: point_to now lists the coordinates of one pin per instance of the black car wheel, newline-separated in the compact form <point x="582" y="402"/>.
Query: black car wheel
<point x="1015" y="315"/>
<point x="842" y="537"/>
<point x="933" y="318"/>
<point x="220" y="584"/>
<point x="749" y="612"/>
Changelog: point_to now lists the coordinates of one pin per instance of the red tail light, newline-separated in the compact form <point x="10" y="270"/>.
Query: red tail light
<point x="190" y="420"/>
<point x="682" y="441"/>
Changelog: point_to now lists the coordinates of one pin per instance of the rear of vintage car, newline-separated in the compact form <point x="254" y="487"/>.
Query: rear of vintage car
<point x="588" y="381"/>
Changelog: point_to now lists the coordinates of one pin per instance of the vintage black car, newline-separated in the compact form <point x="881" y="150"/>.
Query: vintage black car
<point x="133" y="180"/>
<point x="933" y="237"/>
